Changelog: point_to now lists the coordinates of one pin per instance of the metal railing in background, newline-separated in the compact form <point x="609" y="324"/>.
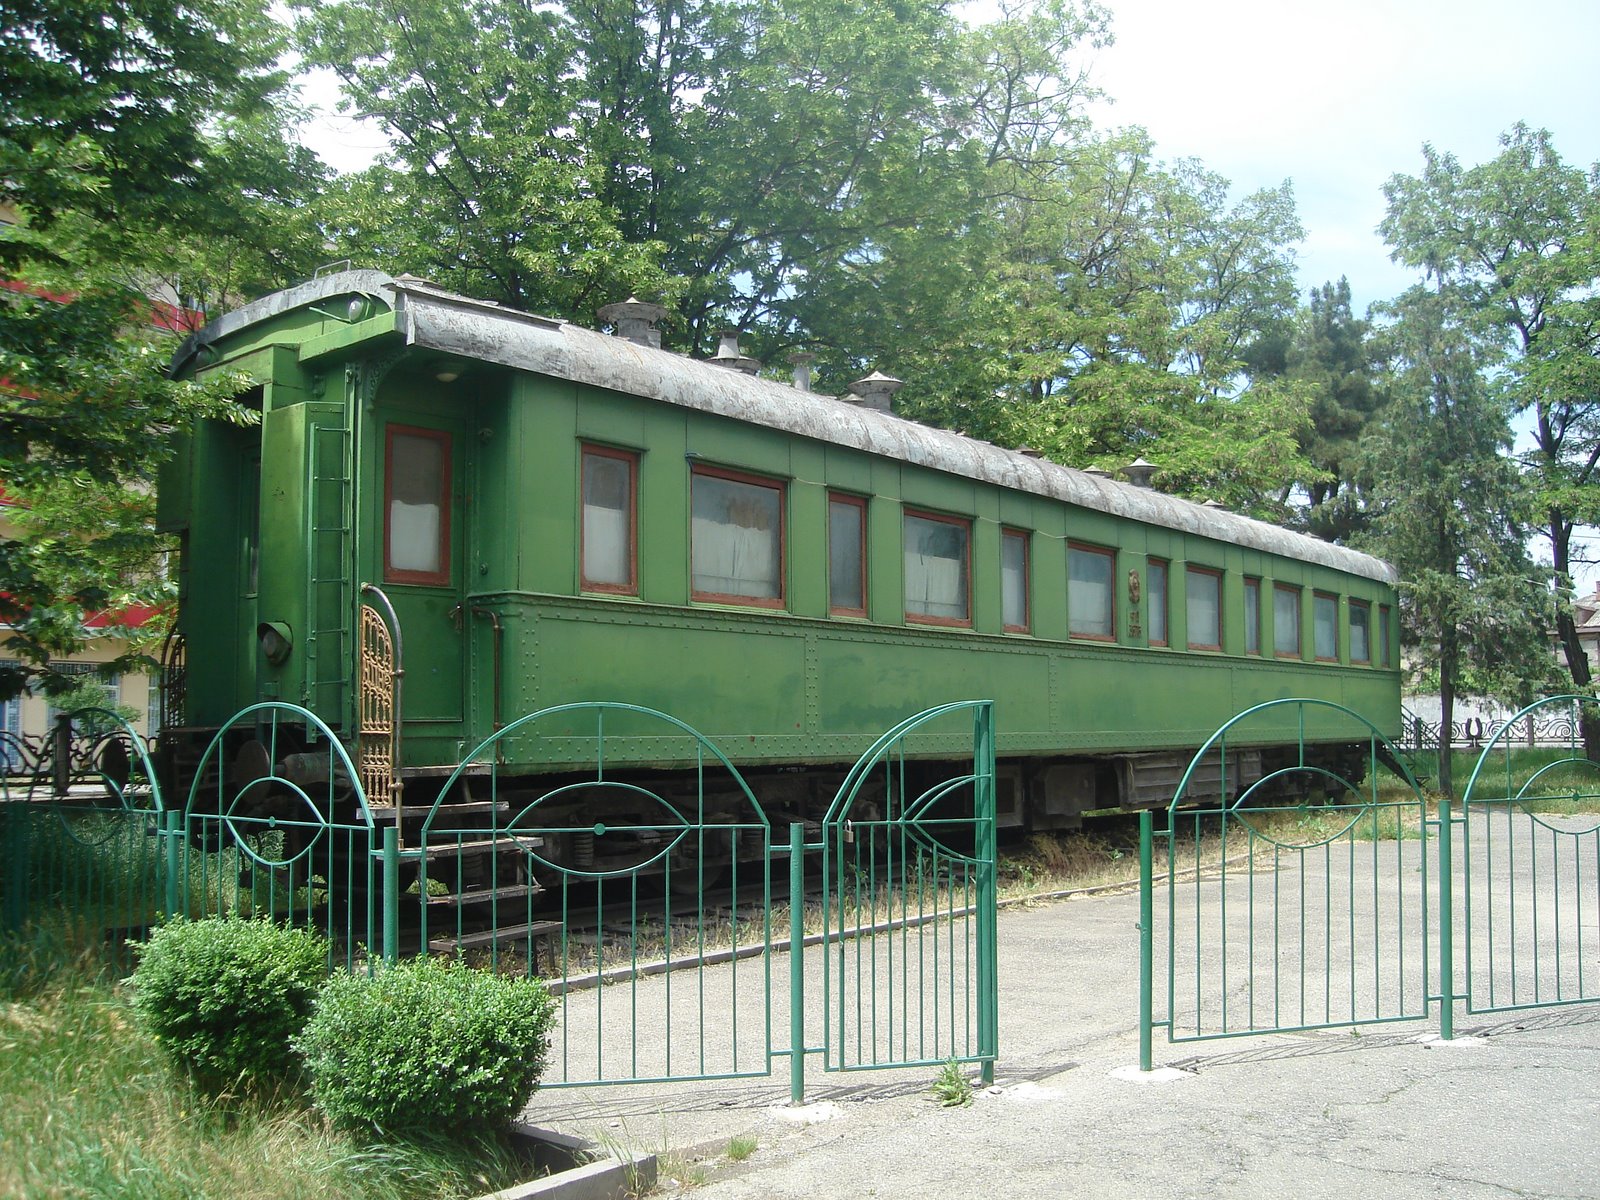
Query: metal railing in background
<point x="80" y="862"/>
<point x="1530" y="867"/>
<point x="1296" y="901"/>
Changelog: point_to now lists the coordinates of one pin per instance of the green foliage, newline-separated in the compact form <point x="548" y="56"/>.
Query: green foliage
<point x="427" y="1046"/>
<point x="951" y="1087"/>
<point x="1516" y="240"/>
<point x="225" y="997"/>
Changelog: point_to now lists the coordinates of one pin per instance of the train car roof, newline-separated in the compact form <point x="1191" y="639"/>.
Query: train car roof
<point x="431" y="318"/>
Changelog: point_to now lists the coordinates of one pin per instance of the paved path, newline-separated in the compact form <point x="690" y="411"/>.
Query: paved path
<point x="1373" y="1112"/>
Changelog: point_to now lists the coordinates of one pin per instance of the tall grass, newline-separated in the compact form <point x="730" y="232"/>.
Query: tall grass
<point x="92" y="1109"/>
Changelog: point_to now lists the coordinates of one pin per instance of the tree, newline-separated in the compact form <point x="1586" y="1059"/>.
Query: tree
<point x="1447" y="508"/>
<point x="1518" y="239"/>
<point x="120" y="129"/>
<point x="1330" y="352"/>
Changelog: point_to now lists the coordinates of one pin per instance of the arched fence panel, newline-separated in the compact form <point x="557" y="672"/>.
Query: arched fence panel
<point x="1296" y="876"/>
<point x="908" y="897"/>
<point x="276" y="825"/>
<point x="641" y="894"/>
<point x="80" y="861"/>
<point x="1530" y="864"/>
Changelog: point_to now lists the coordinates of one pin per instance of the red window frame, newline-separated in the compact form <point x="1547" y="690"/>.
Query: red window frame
<point x="1364" y="607"/>
<point x="1022" y="536"/>
<point x="859" y="503"/>
<point x="1315" y="597"/>
<point x="1165" y="568"/>
<point x="1298" y="593"/>
<point x="1111" y="591"/>
<point x="777" y="485"/>
<point x="1189" y="572"/>
<point x="962" y="523"/>
<point x="392" y="574"/>
<point x="1252" y="586"/>
<point x="631" y="587"/>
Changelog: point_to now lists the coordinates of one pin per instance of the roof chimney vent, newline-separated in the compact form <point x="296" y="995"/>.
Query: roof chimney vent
<point x="1097" y="472"/>
<point x="801" y="361"/>
<point x="876" y="391"/>
<point x="1139" y="472"/>
<point x="729" y="355"/>
<point x="635" y="320"/>
<point x="1030" y="452"/>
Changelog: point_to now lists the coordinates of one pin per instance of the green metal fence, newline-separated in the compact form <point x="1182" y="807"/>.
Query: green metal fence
<point x="908" y="901"/>
<point x="80" y="859"/>
<point x="1530" y="866"/>
<point x="276" y="825"/>
<point x="1296" y="890"/>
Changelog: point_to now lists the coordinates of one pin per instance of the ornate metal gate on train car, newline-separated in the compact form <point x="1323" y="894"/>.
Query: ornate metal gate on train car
<point x="1529" y="855"/>
<point x="1293" y="901"/>
<point x="909" y="901"/>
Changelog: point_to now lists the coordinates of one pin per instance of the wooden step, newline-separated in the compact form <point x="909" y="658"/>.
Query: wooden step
<point x="532" y="930"/>
<point x="500" y="845"/>
<point x="513" y="891"/>
<point x="418" y="812"/>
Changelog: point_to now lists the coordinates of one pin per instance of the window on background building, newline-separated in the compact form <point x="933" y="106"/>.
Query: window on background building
<point x="1325" y="626"/>
<point x="1360" y="632"/>
<point x="416" y="542"/>
<point x="847" y="556"/>
<point x="1285" y="621"/>
<point x="1014" y="581"/>
<point x="938" y="569"/>
<point x="736" y="538"/>
<point x="1252" y="616"/>
<point x="1156" y="601"/>
<point x="1203" y="607"/>
<point x="610" y="521"/>
<point x="1090" y="611"/>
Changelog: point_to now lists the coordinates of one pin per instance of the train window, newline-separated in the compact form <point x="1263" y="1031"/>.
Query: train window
<point x="1157" y="601"/>
<point x="1285" y="621"/>
<point x="938" y="575"/>
<point x="1383" y="635"/>
<point x="1360" y="631"/>
<point x="847" y="556"/>
<point x="1325" y="626"/>
<point x="1090" y="611"/>
<point x="1203" y="606"/>
<point x="1014" y="613"/>
<point x="1252" y="616"/>
<point x="736" y="538"/>
<point x="416" y="538"/>
<point x="610" y="524"/>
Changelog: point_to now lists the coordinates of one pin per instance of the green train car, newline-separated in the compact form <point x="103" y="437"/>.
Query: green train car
<point x="548" y="514"/>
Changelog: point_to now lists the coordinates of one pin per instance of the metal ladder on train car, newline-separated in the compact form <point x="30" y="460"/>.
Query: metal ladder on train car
<point x="330" y="518"/>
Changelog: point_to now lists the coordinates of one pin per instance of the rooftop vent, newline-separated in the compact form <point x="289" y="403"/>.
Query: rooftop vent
<point x="1097" y="472"/>
<point x="1215" y="504"/>
<point x="635" y="320"/>
<point x="1139" y="472"/>
<point x="1029" y="452"/>
<point x="729" y="355"/>
<point x="801" y="361"/>
<point x="875" y="391"/>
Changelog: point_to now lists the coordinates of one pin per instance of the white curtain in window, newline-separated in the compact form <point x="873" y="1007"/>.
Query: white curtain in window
<point x="1089" y="593"/>
<point x="413" y="537"/>
<point x="1285" y="622"/>
<point x="607" y="506"/>
<point x="1325" y="628"/>
<point x="936" y="568"/>
<point x="734" y="538"/>
<point x="1158" y="602"/>
<point x="1014" y="581"/>
<point x="1360" y="648"/>
<point x="1204" y="609"/>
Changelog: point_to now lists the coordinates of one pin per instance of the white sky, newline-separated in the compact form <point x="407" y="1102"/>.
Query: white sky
<point x="1340" y="95"/>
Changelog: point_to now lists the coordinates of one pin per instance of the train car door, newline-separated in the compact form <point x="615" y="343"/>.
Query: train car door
<point x="424" y="532"/>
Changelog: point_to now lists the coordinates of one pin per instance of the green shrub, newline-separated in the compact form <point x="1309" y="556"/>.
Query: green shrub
<point x="225" y="997"/>
<point x="427" y="1046"/>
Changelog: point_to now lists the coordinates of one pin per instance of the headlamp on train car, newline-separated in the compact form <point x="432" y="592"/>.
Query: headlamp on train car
<point x="276" y="641"/>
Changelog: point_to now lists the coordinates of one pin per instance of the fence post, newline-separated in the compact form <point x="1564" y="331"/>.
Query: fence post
<point x="171" y="826"/>
<point x="797" y="954"/>
<point x="391" y="894"/>
<point x="16" y="829"/>
<point x="1146" y="935"/>
<point x="1447" y="957"/>
<point x="983" y="801"/>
